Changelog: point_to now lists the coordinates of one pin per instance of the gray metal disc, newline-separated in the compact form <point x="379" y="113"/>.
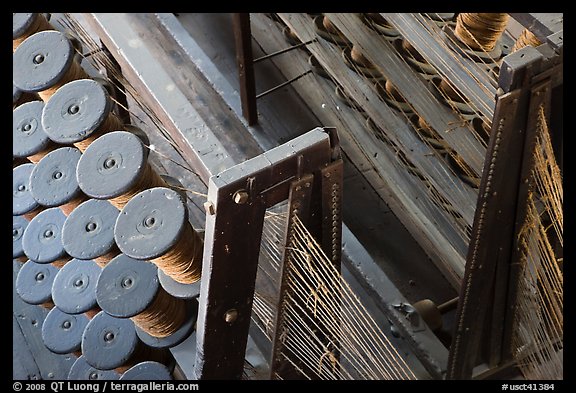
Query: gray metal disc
<point x="61" y="332"/>
<point x="111" y="165"/>
<point x="34" y="282"/>
<point x="147" y="371"/>
<point x="74" y="288"/>
<point x="177" y="289"/>
<point x="108" y="342"/>
<point x="21" y="22"/>
<point x="41" y="60"/>
<point x="151" y="223"/>
<point x="53" y="179"/>
<point x="16" y="94"/>
<point x="19" y="224"/>
<point x="82" y="371"/>
<point x="42" y="241"/>
<point x="88" y="231"/>
<point x="126" y="286"/>
<point x="22" y="200"/>
<point x="75" y="111"/>
<point x="177" y="337"/>
<point x="28" y="136"/>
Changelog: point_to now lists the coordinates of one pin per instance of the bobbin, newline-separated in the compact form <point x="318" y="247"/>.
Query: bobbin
<point x="112" y="165"/>
<point x="88" y="231"/>
<point x="76" y="111"/>
<point x="41" y="61"/>
<point x="463" y="108"/>
<point x="28" y="135"/>
<point x="456" y="44"/>
<point x="53" y="179"/>
<point x="16" y="94"/>
<point x="417" y="62"/>
<point x="127" y="287"/>
<point x="74" y="287"/>
<point x="26" y="24"/>
<point x="177" y="289"/>
<point x="19" y="224"/>
<point x="62" y="332"/>
<point x="147" y="371"/>
<point x="22" y="200"/>
<point x="82" y="371"/>
<point x="371" y="72"/>
<point x="42" y="240"/>
<point x="108" y="342"/>
<point x="377" y="23"/>
<point x="34" y="282"/>
<point x="320" y="29"/>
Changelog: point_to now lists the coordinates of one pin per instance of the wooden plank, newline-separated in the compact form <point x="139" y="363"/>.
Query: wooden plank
<point x="244" y="59"/>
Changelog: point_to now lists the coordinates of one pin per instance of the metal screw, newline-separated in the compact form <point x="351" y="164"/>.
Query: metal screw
<point x="231" y="315"/>
<point x="109" y="163"/>
<point x="91" y="226"/>
<point x="27" y="127"/>
<point x="38" y="59"/>
<point x="21" y="187"/>
<point x="66" y="325"/>
<point x="73" y="109"/>
<point x="57" y="175"/>
<point x="240" y="197"/>
<point x="109" y="336"/>
<point x="209" y="207"/>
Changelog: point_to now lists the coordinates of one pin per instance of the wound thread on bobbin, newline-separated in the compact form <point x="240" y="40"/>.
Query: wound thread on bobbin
<point x="526" y="38"/>
<point x="480" y="31"/>
<point x="75" y="72"/>
<point x="149" y="179"/>
<point x="111" y="123"/>
<point x="163" y="317"/>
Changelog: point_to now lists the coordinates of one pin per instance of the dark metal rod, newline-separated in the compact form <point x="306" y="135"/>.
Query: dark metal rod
<point x="283" y="51"/>
<point x="243" y="41"/>
<point x="282" y="85"/>
<point x="448" y="306"/>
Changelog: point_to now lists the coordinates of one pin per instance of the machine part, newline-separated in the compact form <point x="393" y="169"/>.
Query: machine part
<point x="88" y="232"/>
<point x="43" y="61"/>
<point x="147" y="371"/>
<point x="177" y="289"/>
<point x="113" y="165"/>
<point x="128" y="287"/>
<point x="28" y="136"/>
<point x="79" y="110"/>
<point x="34" y="282"/>
<point x="42" y="241"/>
<point x="53" y="180"/>
<point x="22" y="201"/>
<point x="82" y="371"/>
<point x="62" y="332"/>
<point x="74" y="287"/>
<point x="19" y="225"/>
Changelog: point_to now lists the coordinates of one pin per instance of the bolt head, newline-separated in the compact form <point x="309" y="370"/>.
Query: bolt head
<point x="210" y="208"/>
<point x="241" y="197"/>
<point x="231" y="315"/>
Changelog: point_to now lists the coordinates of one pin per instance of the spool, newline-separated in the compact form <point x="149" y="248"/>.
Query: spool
<point x="26" y="24"/>
<point x="22" y="201"/>
<point x="62" y="332"/>
<point x="111" y="343"/>
<point x="44" y="62"/>
<point x="19" y="225"/>
<point x="325" y="29"/>
<point x="88" y="232"/>
<point x="429" y="135"/>
<point x="526" y="38"/>
<point x="177" y="289"/>
<point x="480" y="31"/>
<point x="380" y="25"/>
<point x="19" y="97"/>
<point x="82" y="371"/>
<point x="42" y="240"/>
<point x="29" y="140"/>
<point x="128" y="288"/>
<point x="464" y="108"/>
<point x="147" y="371"/>
<point x="154" y="226"/>
<point x="53" y="180"/>
<point x="115" y="167"/>
<point x="78" y="113"/>
<point x="74" y="288"/>
<point x="34" y="283"/>
<point x="432" y="314"/>
<point x="358" y="63"/>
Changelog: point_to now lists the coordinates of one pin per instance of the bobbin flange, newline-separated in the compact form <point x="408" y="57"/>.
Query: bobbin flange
<point x="42" y="240"/>
<point x="53" y="179"/>
<point x="62" y="332"/>
<point x="126" y="286"/>
<point x="19" y="224"/>
<point x="108" y="342"/>
<point x="151" y="223"/>
<point x="74" y="287"/>
<point x="178" y="289"/>
<point x="16" y="94"/>
<point x="337" y="39"/>
<point x="82" y="371"/>
<point x="21" y="22"/>
<point x="28" y="135"/>
<point x="111" y="165"/>
<point x="76" y="110"/>
<point x="178" y="336"/>
<point x="41" y="60"/>
<point x="88" y="232"/>
<point x="147" y="371"/>
<point x="22" y="200"/>
<point x="34" y="282"/>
